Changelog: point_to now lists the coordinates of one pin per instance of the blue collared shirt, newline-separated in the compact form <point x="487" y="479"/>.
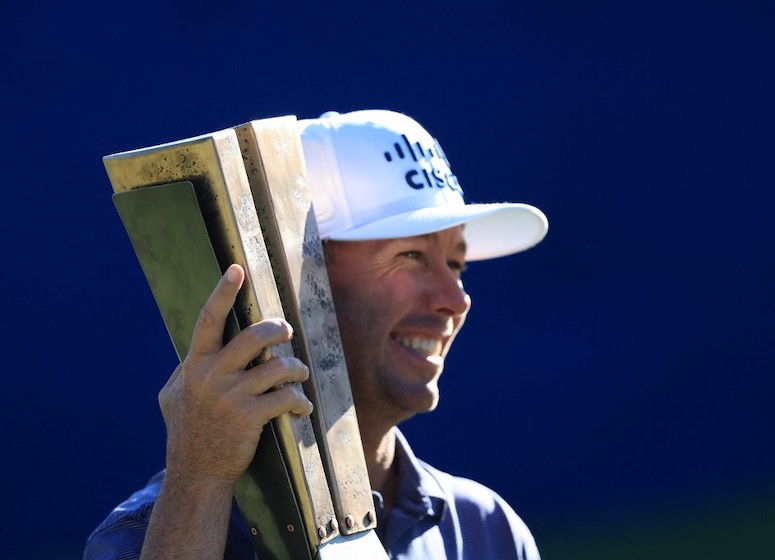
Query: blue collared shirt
<point x="434" y="516"/>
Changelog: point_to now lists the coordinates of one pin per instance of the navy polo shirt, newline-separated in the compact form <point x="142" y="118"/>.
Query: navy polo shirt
<point x="435" y="516"/>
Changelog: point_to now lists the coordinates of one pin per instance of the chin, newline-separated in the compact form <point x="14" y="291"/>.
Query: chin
<point x="426" y="402"/>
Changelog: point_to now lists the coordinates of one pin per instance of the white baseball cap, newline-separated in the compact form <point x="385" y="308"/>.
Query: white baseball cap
<point x="377" y="174"/>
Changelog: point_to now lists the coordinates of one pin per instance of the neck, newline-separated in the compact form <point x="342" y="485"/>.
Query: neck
<point x="379" y="448"/>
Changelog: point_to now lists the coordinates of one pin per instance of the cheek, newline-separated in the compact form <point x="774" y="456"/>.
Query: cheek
<point x="357" y="315"/>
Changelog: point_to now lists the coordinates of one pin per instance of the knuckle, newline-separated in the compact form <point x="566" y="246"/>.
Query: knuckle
<point x="276" y="327"/>
<point x="291" y="394"/>
<point x="188" y="368"/>
<point x="206" y="317"/>
<point x="287" y="363"/>
<point x="294" y="366"/>
<point x="269" y="331"/>
<point x="243" y="419"/>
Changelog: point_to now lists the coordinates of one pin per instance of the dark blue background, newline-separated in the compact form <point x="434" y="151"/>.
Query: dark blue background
<point x="614" y="384"/>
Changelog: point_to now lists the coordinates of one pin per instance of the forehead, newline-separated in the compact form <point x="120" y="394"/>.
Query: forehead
<point x="451" y="239"/>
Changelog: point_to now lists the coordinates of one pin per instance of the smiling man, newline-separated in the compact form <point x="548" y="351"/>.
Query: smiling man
<point x="397" y="234"/>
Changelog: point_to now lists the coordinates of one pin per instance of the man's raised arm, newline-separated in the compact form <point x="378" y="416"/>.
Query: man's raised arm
<point x="215" y="410"/>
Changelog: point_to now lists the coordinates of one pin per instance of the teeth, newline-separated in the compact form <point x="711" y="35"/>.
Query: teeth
<point x="428" y="346"/>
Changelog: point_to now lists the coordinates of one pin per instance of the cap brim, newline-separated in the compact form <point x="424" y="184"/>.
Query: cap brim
<point x="491" y="230"/>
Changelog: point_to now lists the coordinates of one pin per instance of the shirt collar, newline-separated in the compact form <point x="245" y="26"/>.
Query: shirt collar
<point x="417" y="492"/>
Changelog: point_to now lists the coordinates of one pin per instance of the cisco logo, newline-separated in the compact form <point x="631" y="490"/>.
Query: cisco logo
<point x="420" y="177"/>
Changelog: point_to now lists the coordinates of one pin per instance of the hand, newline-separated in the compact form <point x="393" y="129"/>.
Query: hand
<point x="214" y="408"/>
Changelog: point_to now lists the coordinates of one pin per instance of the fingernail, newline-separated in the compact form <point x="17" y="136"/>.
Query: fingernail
<point x="231" y="274"/>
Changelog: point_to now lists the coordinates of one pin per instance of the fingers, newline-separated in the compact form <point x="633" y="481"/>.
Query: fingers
<point x="251" y="341"/>
<point x="208" y="331"/>
<point x="214" y="409"/>
<point x="273" y="374"/>
<point x="289" y="398"/>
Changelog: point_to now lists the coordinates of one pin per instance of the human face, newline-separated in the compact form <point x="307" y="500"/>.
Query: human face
<point x="400" y="303"/>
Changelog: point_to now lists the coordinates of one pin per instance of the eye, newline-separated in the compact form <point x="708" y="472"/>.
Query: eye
<point x="457" y="266"/>
<point x="414" y="255"/>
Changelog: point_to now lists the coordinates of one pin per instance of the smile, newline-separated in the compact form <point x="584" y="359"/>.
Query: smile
<point x="425" y="346"/>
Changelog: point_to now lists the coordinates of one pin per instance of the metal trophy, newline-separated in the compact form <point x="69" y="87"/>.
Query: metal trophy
<point x="193" y="207"/>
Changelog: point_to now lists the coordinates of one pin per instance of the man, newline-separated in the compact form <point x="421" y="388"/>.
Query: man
<point x="397" y="235"/>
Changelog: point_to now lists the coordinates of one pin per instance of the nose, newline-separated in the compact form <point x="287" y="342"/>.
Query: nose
<point x="447" y="295"/>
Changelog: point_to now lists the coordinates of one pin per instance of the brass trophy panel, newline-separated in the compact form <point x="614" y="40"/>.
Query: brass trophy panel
<point x="169" y="236"/>
<point x="274" y="161"/>
<point x="214" y="166"/>
<point x="220" y="214"/>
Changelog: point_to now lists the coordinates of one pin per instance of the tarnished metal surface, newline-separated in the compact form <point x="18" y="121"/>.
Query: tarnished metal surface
<point x="213" y="164"/>
<point x="274" y="161"/>
<point x="249" y="186"/>
<point x="169" y="236"/>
